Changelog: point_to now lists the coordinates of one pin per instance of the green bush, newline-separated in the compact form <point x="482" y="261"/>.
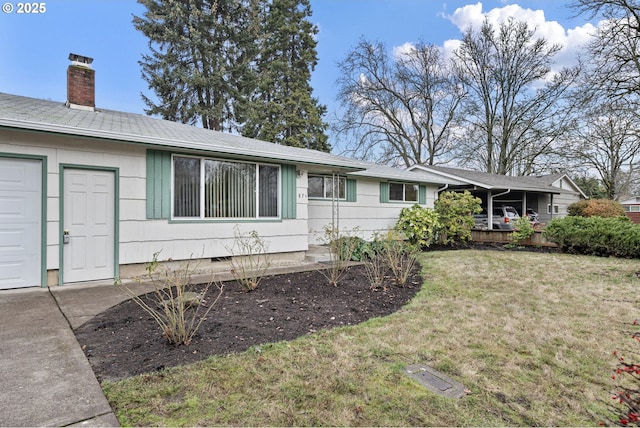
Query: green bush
<point x="599" y="236"/>
<point x="523" y="229"/>
<point x="455" y="213"/>
<point x="353" y="247"/>
<point x="419" y="225"/>
<point x="596" y="208"/>
<point x="577" y="208"/>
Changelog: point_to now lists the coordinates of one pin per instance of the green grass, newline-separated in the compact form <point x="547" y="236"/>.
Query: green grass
<point x="530" y="335"/>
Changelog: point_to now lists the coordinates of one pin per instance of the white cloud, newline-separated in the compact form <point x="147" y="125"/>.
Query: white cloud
<point x="405" y="49"/>
<point x="571" y="40"/>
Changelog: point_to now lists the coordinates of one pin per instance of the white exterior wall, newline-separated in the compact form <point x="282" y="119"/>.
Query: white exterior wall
<point x="139" y="237"/>
<point x="362" y="218"/>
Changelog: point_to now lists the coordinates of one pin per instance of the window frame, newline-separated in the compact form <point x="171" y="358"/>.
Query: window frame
<point x="325" y="187"/>
<point x="202" y="198"/>
<point x="404" y="192"/>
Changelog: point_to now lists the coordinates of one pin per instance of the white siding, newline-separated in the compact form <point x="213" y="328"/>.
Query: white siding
<point x="139" y="237"/>
<point x="364" y="217"/>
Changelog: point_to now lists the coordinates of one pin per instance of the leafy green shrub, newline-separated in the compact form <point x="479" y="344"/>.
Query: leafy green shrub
<point x="175" y="308"/>
<point x="359" y="249"/>
<point x="596" y="208"/>
<point x="599" y="236"/>
<point x="523" y="229"/>
<point x="455" y="213"/>
<point x="419" y="225"/>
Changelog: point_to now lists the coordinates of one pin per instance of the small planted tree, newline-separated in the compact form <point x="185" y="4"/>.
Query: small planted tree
<point x="250" y="258"/>
<point x="174" y="304"/>
<point x="455" y="212"/>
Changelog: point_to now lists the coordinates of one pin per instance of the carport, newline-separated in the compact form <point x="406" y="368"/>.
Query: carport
<point x="548" y="195"/>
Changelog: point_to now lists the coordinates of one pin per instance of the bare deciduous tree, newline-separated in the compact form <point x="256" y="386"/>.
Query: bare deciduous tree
<point x="398" y="110"/>
<point x="616" y="48"/>
<point x="607" y="141"/>
<point x="516" y="108"/>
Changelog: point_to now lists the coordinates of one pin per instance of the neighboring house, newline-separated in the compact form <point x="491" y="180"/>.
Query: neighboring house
<point x="548" y="195"/>
<point x="91" y="194"/>
<point x="632" y="208"/>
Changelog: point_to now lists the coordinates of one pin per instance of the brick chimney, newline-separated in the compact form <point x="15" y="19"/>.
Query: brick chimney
<point x="81" y="83"/>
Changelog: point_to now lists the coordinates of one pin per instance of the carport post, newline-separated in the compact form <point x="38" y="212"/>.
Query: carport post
<point x="489" y="210"/>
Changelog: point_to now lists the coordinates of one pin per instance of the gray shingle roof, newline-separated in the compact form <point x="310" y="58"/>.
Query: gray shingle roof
<point x="398" y="174"/>
<point x="50" y="116"/>
<point x="497" y="181"/>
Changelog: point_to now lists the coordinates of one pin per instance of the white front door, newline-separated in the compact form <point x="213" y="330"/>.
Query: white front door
<point x="20" y="222"/>
<point x="89" y="220"/>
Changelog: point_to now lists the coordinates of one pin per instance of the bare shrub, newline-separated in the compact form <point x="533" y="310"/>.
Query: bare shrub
<point x="175" y="308"/>
<point x="250" y="258"/>
<point x="342" y="246"/>
<point x="399" y="255"/>
<point x="376" y="268"/>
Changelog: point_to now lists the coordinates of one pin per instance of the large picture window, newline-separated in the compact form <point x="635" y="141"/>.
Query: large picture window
<point x="325" y="187"/>
<point x="403" y="192"/>
<point x="210" y="189"/>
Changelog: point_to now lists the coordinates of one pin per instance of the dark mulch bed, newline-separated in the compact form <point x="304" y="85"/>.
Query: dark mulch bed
<point x="125" y="341"/>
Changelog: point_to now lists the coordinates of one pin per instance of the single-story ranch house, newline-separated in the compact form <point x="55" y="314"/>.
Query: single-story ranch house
<point x="91" y="194"/>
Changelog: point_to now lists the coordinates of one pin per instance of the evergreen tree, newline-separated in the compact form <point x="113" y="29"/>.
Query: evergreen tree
<point x="198" y="67"/>
<point x="282" y="108"/>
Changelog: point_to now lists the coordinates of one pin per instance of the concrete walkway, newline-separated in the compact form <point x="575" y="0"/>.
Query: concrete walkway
<point x="45" y="378"/>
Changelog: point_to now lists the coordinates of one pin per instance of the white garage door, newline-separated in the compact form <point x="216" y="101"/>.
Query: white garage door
<point x="20" y="222"/>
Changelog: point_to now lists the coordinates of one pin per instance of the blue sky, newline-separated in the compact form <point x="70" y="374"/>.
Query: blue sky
<point x="34" y="48"/>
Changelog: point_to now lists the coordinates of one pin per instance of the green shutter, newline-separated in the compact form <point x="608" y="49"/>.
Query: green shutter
<point x="384" y="192"/>
<point x="352" y="190"/>
<point x="422" y="194"/>
<point x="289" y="189"/>
<point x="158" y="184"/>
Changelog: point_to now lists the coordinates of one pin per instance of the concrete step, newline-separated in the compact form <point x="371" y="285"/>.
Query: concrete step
<point x="318" y="254"/>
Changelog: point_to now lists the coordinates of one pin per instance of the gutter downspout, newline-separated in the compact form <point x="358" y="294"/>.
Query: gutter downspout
<point x="490" y="207"/>
<point x="442" y="189"/>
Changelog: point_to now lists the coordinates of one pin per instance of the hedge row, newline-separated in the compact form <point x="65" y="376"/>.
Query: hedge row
<point x="599" y="236"/>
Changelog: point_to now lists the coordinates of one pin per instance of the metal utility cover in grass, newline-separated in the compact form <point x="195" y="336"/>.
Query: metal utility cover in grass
<point x="434" y="381"/>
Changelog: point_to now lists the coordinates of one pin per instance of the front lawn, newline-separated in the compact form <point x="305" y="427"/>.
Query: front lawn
<point x="530" y="335"/>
